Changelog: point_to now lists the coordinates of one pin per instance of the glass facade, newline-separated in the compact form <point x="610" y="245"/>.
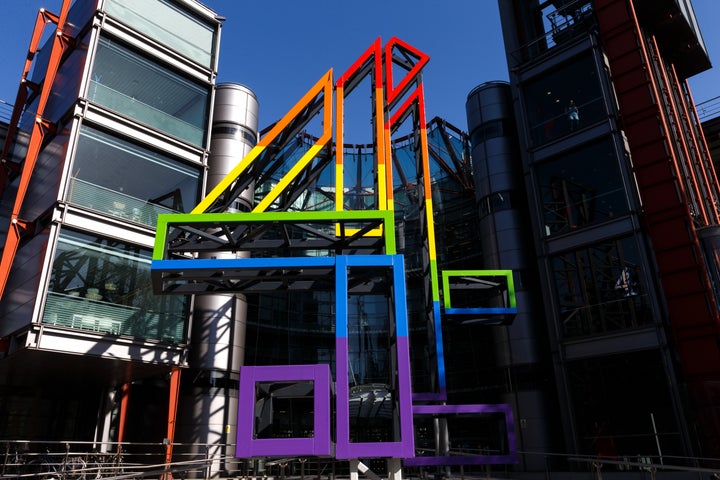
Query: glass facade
<point x="600" y="288"/>
<point x="117" y="177"/>
<point x="285" y="410"/>
<point x="293" y="329"/>
<point x="129" y="83"/>
<point x="565" y="100"/>
<point x="372" y="398"/>
<point x="581" y="187"/>
<point x="168" y="24"/>
<point x="623" y="408"/>
<point x="103" y="285"/>
<point x="547" y="26"/>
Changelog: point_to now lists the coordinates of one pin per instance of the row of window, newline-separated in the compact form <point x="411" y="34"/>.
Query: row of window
<point x="598" y="287"/>
<point x="96" y="283"/>
<point x="103" y="285"/>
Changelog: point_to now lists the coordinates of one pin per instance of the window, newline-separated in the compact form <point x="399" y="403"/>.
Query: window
<point x="600" y="289"/>
<point x="114" y="176"/>
<point x="581" y="188"/>
<point x="564" y="100"/>
<point x="103" y="285"/>
<point x="126" y="82"/>
<point x="623" y="408"/>
<point x="166" y="23"/>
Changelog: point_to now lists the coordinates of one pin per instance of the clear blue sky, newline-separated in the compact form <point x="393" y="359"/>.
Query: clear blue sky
<point x="280" y="51"/>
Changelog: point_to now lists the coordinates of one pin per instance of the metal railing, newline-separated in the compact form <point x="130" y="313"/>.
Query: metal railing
<point x="708" y="109"/>
<point x="5" y="111"/>
<point x="74" y="460"/>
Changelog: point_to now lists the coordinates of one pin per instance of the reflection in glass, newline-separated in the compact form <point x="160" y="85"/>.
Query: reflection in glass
<point x="372" y="401"/>
<point x="165" y="22"/>
<point x="291" y="328"/>
<point x="103" y="285"/>
<point x="124" y="81"/>
<point x="114" y="176"/>
<point x="284" y="410"/>
<point x="599" y="289"/>
<point x="564" y="100"/>
<point x="469" y="434"/>
<point x="581" y="188"/>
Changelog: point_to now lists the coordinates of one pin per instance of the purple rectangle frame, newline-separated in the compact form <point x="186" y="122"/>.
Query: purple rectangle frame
<point x="319" y="444"/>
<point x="442" y="410"/>
<point x="405" y="446"/>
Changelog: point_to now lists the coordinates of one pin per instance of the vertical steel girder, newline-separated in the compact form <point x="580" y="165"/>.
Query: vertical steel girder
<point x="39" y="129"/>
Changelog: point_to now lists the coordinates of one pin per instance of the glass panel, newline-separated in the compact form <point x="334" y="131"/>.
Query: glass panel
<point x="132" y="85"/>
<point x="166" y="23"/>
<point x="470" y="434"/>
<point x="284" y="409"/>
<point x="600" y="289"/>
<point x="372" y="399"/>
<point x="114" y="176"/>
<point x="564" y="100"/>
<point x="550" y="25"/>
<point x="623" y="409"/>
<point x="308" y="315"/>
<point x="581" y="188"/>
<point x="103" y="285"/>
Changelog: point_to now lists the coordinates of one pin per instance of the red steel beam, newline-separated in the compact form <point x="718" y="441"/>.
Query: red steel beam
<point x="704" y="159"/>
<point x="686" y="156"/>
<point x="172" y="415"/>
<point x="124" y="400"/>
<point x="40" y="126"/>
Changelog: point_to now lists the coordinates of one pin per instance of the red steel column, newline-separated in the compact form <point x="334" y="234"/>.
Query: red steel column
<point x="172" y="415"/>
<point x="40" y="127"/>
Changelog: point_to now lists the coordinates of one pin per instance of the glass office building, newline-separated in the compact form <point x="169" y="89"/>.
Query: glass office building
<point x="585" y="176"/>
<point x="622" y="202"/>
<point x="125" y="107"/>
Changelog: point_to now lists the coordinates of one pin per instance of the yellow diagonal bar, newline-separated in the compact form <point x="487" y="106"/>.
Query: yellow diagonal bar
<point x="288" y="177"/>
<point x="312" y="152"/>
<point x="228" y="180"/>
<point x="323" y="84"/>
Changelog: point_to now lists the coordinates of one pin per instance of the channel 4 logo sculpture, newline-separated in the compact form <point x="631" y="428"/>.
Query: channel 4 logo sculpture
<point x="347" y="248"/>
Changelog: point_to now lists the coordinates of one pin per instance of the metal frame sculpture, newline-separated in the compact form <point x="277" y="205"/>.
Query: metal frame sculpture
<point x="346" y="251"/>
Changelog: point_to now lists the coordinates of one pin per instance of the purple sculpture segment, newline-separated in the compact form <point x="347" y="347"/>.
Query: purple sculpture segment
<point x="248" y="445"/>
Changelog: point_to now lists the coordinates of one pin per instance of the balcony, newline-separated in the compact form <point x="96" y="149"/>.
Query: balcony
<point x="93" y="312"/>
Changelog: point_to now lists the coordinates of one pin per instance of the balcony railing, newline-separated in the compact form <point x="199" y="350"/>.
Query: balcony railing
<point x="89" y="313"/>
<point x="105" y="200"/>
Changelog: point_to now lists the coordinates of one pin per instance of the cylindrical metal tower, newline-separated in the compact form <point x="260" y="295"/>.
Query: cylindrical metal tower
<point x="218" y="321"/>
<point x="499" y="187"/>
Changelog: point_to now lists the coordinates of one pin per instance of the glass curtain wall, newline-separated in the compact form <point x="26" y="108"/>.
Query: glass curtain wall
<point x="623" y="409"/>
<point x="565" y="100"/>
<point x="600" y="288"/>
<point x="165" y="22"/>
<point x="581" y="188"/>
<point x="117" y="177"/>
<point x="103" y="285"/>
<point x="128" y="83"/>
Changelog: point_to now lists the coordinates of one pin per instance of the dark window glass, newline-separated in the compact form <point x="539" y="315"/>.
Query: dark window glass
<point x="623" y="409"/>
<point x="564" y="100"/>
<point x="128" y="83"/>
<point x="284" y="409"/>
<point x="600" y="289"/>
<point x="114" y="176"/>
<point x="103" y="285"/>
<point x="581" y="188"/>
